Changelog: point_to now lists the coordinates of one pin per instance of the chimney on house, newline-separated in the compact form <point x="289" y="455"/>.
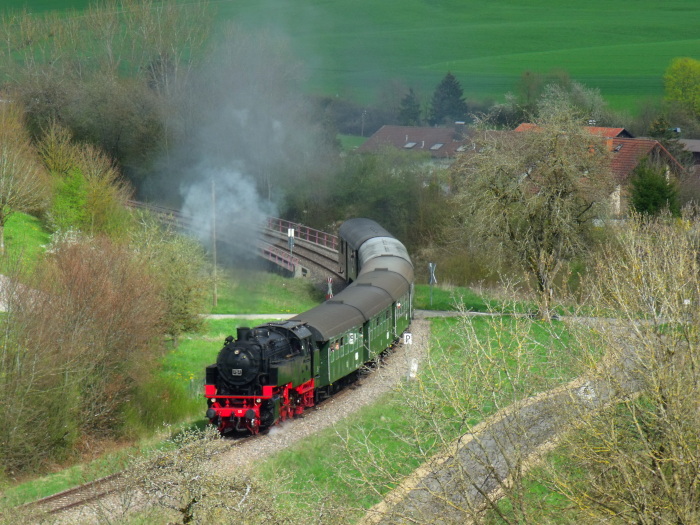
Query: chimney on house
<point x="458" y="134"/>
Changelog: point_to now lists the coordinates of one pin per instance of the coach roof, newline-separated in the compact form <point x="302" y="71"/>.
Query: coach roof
<point x="357" y="231"/>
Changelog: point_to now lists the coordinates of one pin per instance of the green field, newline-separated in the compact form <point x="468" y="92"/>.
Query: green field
<point x="355" y="49"/>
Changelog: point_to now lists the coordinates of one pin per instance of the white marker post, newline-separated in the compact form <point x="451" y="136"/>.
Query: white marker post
<point x="433" y="280"/>
<point x="290" y="240"/>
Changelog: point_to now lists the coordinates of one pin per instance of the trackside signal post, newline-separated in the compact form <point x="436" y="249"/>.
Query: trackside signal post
<point x="433" y="280"/>
<point x="290" y="240"/>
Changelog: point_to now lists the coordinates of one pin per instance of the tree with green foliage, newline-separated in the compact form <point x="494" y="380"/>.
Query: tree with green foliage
<point x="682" y="83"/>
<point x="395" y="189"/>
<point x="652" y="191"/>
<point x="448" y="104"/>
<point x="89" y="192"/>
<point x="409" y="110"/>
<point x="24" y="185"/>
<point x="532" y="196"/>
<point x="179" y="264"/>
<point x="70" y="199"/>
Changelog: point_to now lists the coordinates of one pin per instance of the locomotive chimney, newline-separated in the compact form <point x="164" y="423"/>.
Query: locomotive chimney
<point x="242" y="333"/>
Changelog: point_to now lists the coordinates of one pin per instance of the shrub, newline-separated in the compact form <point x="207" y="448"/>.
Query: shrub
<point x="179" y="264"/>
<point x="78" y="340"/>
<point x="89" y="191"/>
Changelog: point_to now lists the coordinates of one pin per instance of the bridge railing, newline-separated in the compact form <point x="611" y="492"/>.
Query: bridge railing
<point x="166" y="216"/>
<point x="303" y="232"/>
<point x="280" y="257"/>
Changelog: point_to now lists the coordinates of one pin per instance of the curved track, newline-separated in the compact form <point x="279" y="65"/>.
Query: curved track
<point x="93" y="491"/>
<point x="314" y="250"/>
<point x="76" y="496"/>
<point x="315" y="253"/>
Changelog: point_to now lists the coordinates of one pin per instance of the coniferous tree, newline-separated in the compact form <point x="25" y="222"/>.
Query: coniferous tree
<point x="652" y="192"/>
<point x="661" y="130"/>
<point x="448" y="103"/>
<point x="409" y="110"/>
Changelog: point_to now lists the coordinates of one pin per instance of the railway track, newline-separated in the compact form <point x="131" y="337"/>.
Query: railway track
<point x="315" y="261"/>
<point x="75" y="497"/>
<point x="88" y="493"/>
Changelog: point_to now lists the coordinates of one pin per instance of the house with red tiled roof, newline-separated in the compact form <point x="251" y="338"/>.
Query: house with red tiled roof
<point x="593" y="130"/>
<point x="443" y="144"/>
<point x="627" y="153"/>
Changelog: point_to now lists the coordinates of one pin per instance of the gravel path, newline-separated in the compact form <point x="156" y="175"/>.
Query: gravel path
<point x="395" y="367"/>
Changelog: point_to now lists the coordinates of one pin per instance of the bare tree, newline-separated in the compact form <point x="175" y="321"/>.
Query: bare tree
<point x="24" y="185"/>
<point x="78" y="339"/>
<point x="478" y="413"/>
<point x="638" y="461"/>
<point x="534" y="195"/>
<point x="181" y="479"/>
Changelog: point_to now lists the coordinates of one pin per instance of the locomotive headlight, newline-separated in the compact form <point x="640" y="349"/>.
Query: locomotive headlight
<point x="258" y="401"/>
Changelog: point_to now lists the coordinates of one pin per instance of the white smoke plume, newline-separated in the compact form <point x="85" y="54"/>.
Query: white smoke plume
<point x="227" y="200"/>
<point x="244" y="126"/>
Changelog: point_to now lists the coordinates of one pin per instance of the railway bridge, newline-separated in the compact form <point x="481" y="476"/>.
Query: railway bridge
<point x="300" y="250"/>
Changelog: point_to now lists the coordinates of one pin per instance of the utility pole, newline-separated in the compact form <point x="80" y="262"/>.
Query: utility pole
<point x="213" y="238"/>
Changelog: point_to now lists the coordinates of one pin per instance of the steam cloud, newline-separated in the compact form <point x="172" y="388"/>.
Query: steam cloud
<point x="239" y="211"/>
<point x="244" y="126"/>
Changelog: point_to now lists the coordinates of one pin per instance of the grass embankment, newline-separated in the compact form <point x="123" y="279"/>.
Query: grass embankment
<point x="452" y="298"/>
<point x="254" y="292"/>
<point x="25" y="240"/>
<point x="354" y="464"/>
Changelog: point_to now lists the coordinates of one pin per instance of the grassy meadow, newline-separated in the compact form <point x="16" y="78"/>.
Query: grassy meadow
<point x="25" y="239"/>
<point x="373" y="448"/>
<point x="357" y="49"/>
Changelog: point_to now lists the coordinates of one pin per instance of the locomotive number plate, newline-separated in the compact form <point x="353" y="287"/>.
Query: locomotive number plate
<point x="237" y="371"/>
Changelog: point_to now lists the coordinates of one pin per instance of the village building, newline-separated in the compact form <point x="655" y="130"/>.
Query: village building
<point x="443" y="144"/>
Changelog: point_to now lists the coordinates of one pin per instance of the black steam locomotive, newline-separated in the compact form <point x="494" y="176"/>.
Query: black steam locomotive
<point x="274" y="371"/>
